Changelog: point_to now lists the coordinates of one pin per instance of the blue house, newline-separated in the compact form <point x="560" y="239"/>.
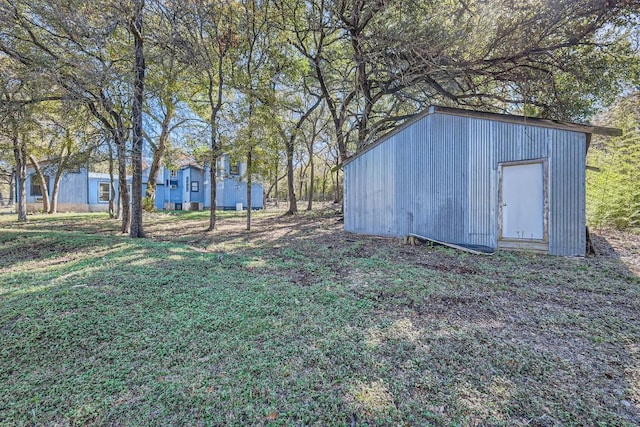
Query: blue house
<point x="79" y="190"/>
<point x="188" y="187"/>
<point x="184" y="188"/>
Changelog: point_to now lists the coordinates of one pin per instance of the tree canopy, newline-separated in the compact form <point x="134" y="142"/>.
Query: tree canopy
<point x="254" y="72"/>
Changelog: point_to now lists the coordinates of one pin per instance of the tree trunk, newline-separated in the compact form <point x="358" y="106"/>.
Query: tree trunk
<point x="216" y="105"/>
<point x="302" y="184"/>
<point x="123" y="206"/>
<point x="293" y="206"/>
<point x="20" y="155"/>
<point x="249" y="182"/>
<point x="12" y="188"/>
<point x="303" y="172"/>
<point x="136" y="229"/>
<point x="336" y="190"/>
<point x="214" y="155"/>
<point x="62" y="164"/>
<point x="290" y="147"/>
<point x="276" y="183"/>
<point x="158" y="156"/>
<point x="311" y="177"/>
<point x="44" y="185"/>
<point x="53" y="203"/>
<point x="324" y="183"/>
<point x="113" y="214"/>
<point x="213" y="192"/>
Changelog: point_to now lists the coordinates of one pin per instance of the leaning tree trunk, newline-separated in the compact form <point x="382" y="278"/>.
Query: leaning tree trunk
<point x="53" y="203"/>
<point x="301" y="181"/>
<point x="62" y="165"/>
<point x="158" y="155"/>
<point x="290" y="143"/>
<point x="44" y="185"/>
<point x="154" y="169"/>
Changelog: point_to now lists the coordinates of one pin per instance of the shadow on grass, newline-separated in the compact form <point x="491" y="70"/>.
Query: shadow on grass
<point x="301" y="323"/>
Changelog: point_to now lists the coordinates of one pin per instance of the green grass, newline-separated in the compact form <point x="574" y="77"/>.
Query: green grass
<point x="299" y="323"/>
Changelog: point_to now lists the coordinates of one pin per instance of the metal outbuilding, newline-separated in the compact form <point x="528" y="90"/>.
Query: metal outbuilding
<point x="474" y="178"/>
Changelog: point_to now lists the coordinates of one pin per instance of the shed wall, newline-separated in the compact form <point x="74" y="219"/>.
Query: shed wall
<point x="567" y="219"/>
<point x="370" y="193"/>
<point x="432" y="185"/>
<point x="439" y="178"/>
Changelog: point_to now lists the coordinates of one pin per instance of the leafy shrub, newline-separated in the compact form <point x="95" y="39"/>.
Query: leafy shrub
<point x="613" y="181"/>
<point x="148" y="204"/>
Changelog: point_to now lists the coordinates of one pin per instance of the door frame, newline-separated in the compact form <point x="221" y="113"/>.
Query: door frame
<point x="541" y="245"/>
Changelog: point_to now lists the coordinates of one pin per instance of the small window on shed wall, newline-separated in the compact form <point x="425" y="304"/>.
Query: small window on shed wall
<point x="195" y="186"/>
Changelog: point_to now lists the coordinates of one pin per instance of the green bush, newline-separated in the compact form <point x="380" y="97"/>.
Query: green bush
<point x="148" y="204"/>
<point x="613" y="179"/>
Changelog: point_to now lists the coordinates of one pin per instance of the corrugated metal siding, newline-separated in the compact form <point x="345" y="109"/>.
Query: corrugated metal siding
<point x="412" y="164"/>
<point x="516" y="142"/>
<point x="434" y="183"/>
<point x="370" y="195"/>
<point x="567" y="193"/>
<point x="413" y="183"/>
<point x="482" y="172"/>
<point x="439" y="178"/>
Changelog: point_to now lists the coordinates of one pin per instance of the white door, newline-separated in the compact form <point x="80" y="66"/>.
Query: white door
<point x="522" y="202"/>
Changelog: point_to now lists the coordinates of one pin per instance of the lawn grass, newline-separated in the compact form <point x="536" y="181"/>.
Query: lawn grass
<point x="300" y="323"/>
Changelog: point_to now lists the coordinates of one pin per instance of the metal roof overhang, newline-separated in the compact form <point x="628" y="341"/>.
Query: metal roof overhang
<point x="497" y="117"/>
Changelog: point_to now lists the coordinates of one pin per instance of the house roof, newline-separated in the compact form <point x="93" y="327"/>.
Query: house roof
<point x="190" y="165"/>
<point x="497" y="117"/>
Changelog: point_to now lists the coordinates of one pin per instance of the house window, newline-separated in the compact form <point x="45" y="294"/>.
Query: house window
<point x="195" y="186"/>
<point x="173" y="184"/>
<point x="36" y="187"/>
<point x="104" y="192"/>
<point x="235" y="169"/>
<point x="174" y="173"/>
